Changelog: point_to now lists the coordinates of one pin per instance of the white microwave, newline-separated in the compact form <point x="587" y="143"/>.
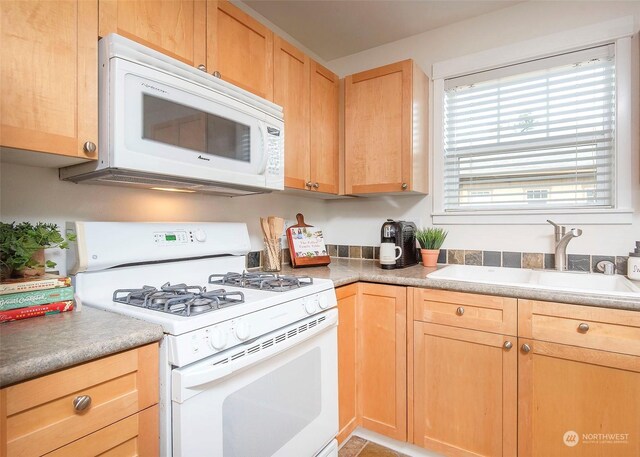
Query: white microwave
<point x="166" y="125"/>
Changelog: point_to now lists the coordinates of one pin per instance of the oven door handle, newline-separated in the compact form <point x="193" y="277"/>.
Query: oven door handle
<point x="186" y="384"/>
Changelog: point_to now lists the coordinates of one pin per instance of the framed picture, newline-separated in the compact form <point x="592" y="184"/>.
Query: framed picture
<point x="306" y="245"/>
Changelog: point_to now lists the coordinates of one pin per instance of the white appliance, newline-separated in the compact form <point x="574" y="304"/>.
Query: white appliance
<point x="167" y="125"/>
<point x="248" y="363"/>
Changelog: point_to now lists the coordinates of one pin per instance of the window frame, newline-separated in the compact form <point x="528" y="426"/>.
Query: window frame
<point x="617" y="32"/>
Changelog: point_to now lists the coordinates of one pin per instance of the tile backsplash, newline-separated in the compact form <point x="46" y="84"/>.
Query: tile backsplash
<point x="510" y="259"/>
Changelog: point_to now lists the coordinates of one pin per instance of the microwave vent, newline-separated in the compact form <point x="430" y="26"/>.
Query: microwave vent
<point x="146" y="181"/>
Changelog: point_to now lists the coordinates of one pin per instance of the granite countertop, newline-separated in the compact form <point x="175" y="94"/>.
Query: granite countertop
<point x="346" y="271"/>
<point x="41" y="345"/>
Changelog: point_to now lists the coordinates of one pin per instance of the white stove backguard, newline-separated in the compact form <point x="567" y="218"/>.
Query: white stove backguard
<point x="103" y="245"/>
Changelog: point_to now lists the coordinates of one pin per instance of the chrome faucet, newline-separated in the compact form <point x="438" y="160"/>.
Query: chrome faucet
<point x="562" y="240"/>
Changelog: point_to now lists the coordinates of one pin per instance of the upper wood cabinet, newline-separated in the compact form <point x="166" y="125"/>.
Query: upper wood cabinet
<point x="176" y="28"/>
<point x="291" y="91"/>
<point x="49" y="77"/>
<point x="239" y="48"/>
<point x="324" y="154"/>
<point x="308" y="93"/>
<point x="347" y="356"/>
<point x="386" y="130"/>
<point x="382" y="359"/>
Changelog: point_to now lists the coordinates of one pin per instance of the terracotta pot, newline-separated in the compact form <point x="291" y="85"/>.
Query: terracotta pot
<point x="38" y="256"/>
<point x="429" y="257"/>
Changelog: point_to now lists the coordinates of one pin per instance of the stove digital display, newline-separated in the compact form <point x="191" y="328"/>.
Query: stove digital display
<point x="168" y="237"/>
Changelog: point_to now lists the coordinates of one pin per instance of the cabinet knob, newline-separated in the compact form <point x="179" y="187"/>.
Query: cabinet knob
<point x="81" y="402"/>
<point x="508" y="345"/>
<point x="404" y="186"/>
<point x="308" y="184"/>
<point x="216" y="74"/>
<point x="460" y="311"/>
<point x="526" y="348"/>
<point x="202" y="67"/>
<point x="89" y="147"/>
<point x="316" y="185"/>
<point x="584" y="328"/>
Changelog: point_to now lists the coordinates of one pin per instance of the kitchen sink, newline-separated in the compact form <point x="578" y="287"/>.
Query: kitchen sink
<point x="590" y="283"/>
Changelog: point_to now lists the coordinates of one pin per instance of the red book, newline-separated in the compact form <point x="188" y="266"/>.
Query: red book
<point x="34" y="311"/>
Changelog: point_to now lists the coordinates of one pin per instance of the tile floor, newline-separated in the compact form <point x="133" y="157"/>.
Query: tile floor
<point x="359" y="447"/>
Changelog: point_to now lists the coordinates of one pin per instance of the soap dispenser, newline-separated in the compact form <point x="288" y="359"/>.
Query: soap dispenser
<point x="633" y="265"/>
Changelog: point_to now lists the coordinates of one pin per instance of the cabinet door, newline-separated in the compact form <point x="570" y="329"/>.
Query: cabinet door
<point x="176" y="28"/>
<point x="324" y="129"/>
<point x="49" y="76"/>
<point x="137" y="435"/>
<point x="382" y="359"/>
<point x="347" y="309"/>
<point x="291" y="91"/>
<point x="378" y="129"/>
<point x="576" y="401"/>
<point x="240" y="48"/>
<point x="464" y="391"/>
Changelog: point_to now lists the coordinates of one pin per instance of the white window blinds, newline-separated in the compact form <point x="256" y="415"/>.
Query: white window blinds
<point x="534" y="135"/>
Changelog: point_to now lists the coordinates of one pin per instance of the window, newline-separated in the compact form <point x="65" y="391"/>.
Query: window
<point x="548" y="122"/>
<point x="536" y="129"/>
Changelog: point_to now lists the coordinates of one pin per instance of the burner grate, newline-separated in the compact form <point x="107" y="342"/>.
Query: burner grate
<point x="261" y="281"/>
<point x="178" y="299"/>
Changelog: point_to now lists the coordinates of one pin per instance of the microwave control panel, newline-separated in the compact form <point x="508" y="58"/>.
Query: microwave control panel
<point x="179" y="237"/>
<point x="274" y="147"/>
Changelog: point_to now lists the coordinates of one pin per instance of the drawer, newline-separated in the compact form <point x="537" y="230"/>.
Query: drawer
<point x="472" y="311"/>
<point x="39" y="415"/>
<point x="585" y="326"/>
<point x="137" y="435"/>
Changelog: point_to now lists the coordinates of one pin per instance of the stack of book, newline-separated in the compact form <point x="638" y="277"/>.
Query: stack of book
<point x="31" y="297"/>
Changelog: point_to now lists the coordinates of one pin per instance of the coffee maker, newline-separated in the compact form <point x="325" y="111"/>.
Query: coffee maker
<point x="403" y="235"/>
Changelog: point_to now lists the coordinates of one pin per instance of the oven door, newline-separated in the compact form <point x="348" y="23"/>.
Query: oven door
<point x="276" y="396"/>
<point x="164" y="124"/>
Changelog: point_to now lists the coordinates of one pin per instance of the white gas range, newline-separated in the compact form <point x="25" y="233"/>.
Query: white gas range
<point x="248" y="364"/>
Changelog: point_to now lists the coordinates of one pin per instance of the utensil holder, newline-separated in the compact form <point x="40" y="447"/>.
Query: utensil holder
<point x="272" y="255"/>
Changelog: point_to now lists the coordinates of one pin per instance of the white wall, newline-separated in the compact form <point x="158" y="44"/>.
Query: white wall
<point x="35" y="194"/>
<point x="358" y="221"/>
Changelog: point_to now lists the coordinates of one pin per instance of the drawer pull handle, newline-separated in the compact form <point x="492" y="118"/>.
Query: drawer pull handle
<point x="460" y="311"/>
<point x="584" y="328"/>
<point x="526" y="348"/>
<point x="508" y="345"/>
<point x="81" y="402"/>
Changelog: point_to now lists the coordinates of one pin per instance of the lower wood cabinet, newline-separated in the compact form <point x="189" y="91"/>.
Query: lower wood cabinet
<point x="382" y="359"/>
<point x="372" y="359"/>
<point x="47" y="414"/>
<point x="464" y="391"/>
<point x="566" y="382"/>
<point x="347" y="317"/>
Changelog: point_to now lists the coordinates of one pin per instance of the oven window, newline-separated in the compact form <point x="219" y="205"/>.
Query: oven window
<point x="178" y="125"/>
<point x="263" y="416"/>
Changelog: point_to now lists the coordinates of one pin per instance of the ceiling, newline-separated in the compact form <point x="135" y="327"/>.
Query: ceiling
<point x="337" y="28"/>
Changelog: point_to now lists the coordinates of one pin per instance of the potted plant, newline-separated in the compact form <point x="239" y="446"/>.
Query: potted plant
<point x="430" y="240"/>
<point x="23" y="246"/>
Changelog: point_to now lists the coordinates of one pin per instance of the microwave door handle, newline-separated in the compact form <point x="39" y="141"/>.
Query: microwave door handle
<point x="265" y="153"/>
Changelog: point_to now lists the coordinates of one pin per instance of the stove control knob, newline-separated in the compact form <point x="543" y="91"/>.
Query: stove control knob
<point x="200" y="235"/>
<point x="311" y="305"/>
<point x="242" y="331"/>
<point x="217" y="338"/>
<point x="323" y="302"/>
